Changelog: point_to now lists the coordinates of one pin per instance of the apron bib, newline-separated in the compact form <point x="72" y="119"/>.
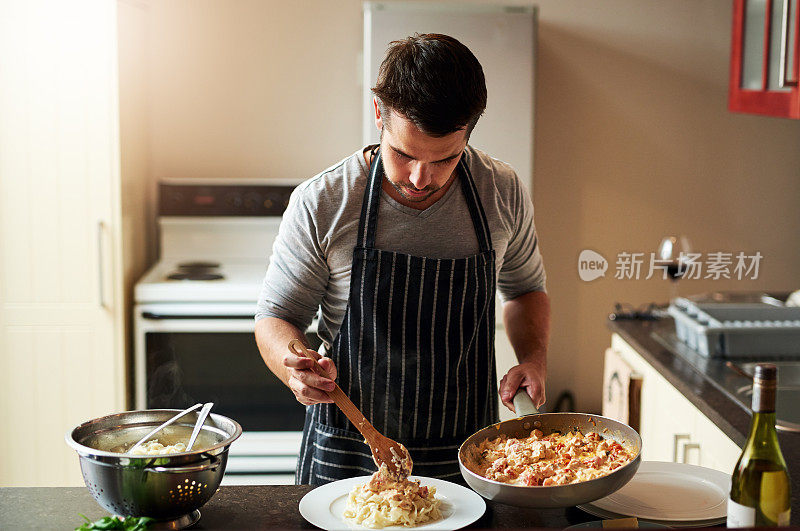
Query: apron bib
<point x="415" y="352"/>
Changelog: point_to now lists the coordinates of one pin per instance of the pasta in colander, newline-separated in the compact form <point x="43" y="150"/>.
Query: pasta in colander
<point x="153" y="447"/>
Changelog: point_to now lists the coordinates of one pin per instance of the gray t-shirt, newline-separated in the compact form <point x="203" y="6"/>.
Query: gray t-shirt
<point x="313" y="253"/>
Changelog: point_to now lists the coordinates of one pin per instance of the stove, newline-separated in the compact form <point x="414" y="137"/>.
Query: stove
<point x="196" y="271"/>
<point x="193" y="319"/>
<point x="234" y="280"/>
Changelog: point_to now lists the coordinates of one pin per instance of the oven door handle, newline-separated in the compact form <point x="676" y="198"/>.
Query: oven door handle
<point x="164" y="316"/>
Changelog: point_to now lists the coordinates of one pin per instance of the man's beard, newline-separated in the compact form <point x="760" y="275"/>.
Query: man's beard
<point x="401" y="189"/>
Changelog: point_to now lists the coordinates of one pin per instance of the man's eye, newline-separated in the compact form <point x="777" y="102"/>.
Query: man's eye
<point x="443" y="162"/>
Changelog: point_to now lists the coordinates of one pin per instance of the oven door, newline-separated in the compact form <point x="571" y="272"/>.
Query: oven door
<point x="192" y="352"/>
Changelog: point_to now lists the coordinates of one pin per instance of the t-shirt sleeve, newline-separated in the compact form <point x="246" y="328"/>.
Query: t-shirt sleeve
<point x="298" y="272"/>
<point x="523" y="268"/>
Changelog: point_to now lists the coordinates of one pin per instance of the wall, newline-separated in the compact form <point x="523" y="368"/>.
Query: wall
<point x="633" y="137"/>
<point x="252" y="88"/>
<point x="633" y="142"/>
<point x="137" y="182"/>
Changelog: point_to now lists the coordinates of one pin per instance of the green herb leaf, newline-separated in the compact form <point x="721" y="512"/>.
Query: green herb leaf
<point x="129" y="523"/>
<point x="137" y="524"/>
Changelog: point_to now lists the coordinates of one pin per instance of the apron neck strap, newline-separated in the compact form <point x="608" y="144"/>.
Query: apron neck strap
<point x="475" y="206"/>
<point x="368" y="223"/>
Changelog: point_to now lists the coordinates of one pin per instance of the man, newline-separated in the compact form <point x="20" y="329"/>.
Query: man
<point x="402" y="246"/>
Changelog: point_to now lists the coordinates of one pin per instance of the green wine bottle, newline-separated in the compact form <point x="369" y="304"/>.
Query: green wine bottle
<point x="760" y="489"/>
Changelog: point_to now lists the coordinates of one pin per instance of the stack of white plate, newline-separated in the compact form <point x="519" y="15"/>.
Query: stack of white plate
<point x="673" y="494"/>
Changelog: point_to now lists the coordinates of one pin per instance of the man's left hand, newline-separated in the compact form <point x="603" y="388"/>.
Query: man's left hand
<point x="528" y="375"/>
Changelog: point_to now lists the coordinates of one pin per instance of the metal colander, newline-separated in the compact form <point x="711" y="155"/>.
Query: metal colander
<point x="164" y="487"/>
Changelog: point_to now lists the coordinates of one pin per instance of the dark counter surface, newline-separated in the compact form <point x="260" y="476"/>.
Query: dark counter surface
<point x="697" y="379"/>
<point x="234" y="507"/>
<point x="276" y="506"/>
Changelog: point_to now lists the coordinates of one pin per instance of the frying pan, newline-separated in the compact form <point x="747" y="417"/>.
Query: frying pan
<point x="470" y="460"/>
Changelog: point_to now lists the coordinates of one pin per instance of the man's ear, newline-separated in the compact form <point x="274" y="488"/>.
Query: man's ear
<point x="378" y="117"/>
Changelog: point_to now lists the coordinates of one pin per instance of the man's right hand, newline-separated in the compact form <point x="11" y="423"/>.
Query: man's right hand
<point x="309" y="387"/>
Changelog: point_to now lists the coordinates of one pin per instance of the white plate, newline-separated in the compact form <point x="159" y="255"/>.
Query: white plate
<point x="598" y="524"/>
<point x="325" y="505"/>
<point x="607" y="515"/>
<point x="670" y="492"/>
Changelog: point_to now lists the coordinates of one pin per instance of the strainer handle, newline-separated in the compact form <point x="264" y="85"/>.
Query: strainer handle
<point x="215" y="462"/>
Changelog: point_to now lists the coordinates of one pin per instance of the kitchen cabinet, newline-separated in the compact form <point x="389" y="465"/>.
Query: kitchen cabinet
<point x="671" y="427"/>
<point x="63" y="272"/>
<point x="765" y="58"/>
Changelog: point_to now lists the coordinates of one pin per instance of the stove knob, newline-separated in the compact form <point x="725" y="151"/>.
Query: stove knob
<point x="233" y="200"/>
<point x="176" y="198"/>
<point x="251" y="201"/>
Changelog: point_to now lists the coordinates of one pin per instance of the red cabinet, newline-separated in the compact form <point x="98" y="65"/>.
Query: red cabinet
<point x="765" y="58"/>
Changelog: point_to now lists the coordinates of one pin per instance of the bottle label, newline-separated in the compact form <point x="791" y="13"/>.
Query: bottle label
<point x="740" y="515"/>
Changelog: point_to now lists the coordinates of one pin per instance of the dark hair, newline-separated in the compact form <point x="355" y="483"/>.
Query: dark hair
<point x="434" y="81"/>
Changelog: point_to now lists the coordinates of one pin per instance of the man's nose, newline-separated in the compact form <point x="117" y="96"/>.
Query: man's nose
<point x="419" y="176"/>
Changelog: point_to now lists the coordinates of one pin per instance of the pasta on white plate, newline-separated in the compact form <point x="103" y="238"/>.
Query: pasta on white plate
<point x="386" y="500"/>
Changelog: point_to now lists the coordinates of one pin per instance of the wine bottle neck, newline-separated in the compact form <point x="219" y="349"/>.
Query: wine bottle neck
<point x="762" y="420"/>
<point x="762" y="429"/>
<point x="764" y="397"/>
<point x="762" y="442"/>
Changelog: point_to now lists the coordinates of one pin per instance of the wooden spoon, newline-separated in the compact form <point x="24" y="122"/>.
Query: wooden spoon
<point x="384" y="450"/>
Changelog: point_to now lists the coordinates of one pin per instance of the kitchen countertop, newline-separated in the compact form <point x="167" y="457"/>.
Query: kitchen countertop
<point x="692" y="376"/>
<point x="275" y="506"/>
<point x="233" y="507"/>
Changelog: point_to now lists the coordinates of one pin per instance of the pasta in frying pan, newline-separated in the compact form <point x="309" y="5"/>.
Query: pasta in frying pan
<point x="554" y="459"/>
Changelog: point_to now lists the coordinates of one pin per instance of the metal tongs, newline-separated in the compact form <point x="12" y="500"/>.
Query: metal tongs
<point x="167" y="423"/>
<point x="201" y="419"/>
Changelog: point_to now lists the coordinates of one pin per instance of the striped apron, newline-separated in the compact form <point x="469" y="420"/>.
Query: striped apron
<point x="415" y="352"/>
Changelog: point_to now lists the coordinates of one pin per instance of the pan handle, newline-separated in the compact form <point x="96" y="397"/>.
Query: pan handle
<point x="523" y="405"/>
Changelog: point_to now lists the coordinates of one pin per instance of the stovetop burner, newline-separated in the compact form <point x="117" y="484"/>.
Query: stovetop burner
<point x="192" y="275"/>
<point x="198" y="265"/>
